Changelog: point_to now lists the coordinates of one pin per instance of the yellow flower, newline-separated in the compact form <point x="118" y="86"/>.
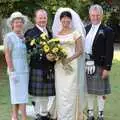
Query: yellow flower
<point x="63" y="51"/>
<point x="54" y="40"/>
<point x="60" y="47"/>
<point x="44" y="43"/>
<point x="55" y="50"/>
<point x="32" y="42"/>
<point x="43" y="36"/>
<point x="41" y="43"/>
<point x="46" y="48"/>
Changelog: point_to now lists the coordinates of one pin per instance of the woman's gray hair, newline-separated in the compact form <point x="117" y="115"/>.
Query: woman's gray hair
<point x="17" y="15"/>
<point x="96" y="7"/>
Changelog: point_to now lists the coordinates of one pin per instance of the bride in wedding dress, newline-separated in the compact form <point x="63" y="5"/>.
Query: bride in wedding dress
<point x="69" y="73"/>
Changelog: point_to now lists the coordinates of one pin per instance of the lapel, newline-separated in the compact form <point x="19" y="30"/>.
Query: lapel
<point x="38" y="32"/>
<point x="88" y="28"/>
<point x="97" y="35"/>
<point x="49" y="33"/>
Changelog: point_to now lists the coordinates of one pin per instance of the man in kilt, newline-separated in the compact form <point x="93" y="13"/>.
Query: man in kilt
<point x="42" y="80"/>
<point x="99" y="54"/>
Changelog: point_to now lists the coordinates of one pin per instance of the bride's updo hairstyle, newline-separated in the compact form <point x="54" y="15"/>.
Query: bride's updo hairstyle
<point x="65" y="14"/>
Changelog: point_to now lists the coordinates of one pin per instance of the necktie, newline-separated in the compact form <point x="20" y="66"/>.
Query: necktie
<point x="93" y="28"/>
<point x="45" y="31"/>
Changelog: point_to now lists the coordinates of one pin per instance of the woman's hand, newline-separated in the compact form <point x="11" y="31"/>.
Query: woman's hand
<point x="13" y="76"/>
<point x="50" y="57"/>
<point x="11" y="69"/>
<point x="66" y="61"/>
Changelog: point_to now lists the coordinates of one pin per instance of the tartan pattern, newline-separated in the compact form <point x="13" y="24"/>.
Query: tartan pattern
<point x="96" y="85"/>
<point x="42" y="82"/>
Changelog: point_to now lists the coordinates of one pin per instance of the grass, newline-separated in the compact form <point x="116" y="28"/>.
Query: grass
<point x="5" y="106"/>
<point x="112" y="104"/>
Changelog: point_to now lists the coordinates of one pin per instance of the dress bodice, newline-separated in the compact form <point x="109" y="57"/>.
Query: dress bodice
<point x="68" y="42"/>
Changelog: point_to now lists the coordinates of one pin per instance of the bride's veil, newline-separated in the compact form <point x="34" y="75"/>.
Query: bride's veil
<point x="76" y="25"/>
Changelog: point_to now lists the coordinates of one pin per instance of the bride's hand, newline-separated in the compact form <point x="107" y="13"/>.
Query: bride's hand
<point x="66" y="61"/>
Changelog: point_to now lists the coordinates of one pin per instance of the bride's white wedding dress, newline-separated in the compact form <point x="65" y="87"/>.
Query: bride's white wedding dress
<point x="66" y="80"/>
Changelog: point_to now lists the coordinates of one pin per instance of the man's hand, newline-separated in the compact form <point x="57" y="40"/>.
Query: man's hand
<point x="105" y="74"/>
<point x="50" y="57"/>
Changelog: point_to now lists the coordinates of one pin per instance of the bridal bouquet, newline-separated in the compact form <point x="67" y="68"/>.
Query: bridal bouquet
<point x="48" y="46"/>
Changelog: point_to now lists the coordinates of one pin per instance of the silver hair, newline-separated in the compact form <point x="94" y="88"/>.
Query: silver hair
<point x="41" y="10"/>
<point x="96" y="7"/>
<point x="18" y="18"/>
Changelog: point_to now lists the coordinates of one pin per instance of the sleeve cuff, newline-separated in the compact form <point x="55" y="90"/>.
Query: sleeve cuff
<point x="107" y="67"/>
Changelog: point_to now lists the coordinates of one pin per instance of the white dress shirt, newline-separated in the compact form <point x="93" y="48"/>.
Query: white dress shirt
<point x="90" y="38"/>
<point x="42" y="29"/>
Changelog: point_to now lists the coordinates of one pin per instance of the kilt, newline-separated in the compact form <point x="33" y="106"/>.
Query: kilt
<point x="96" y="85"/>
<point x="42" y="82"/>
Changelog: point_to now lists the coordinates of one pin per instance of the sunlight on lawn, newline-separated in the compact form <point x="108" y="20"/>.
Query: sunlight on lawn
<point x="116" y="55"/>
<point x="1" y="47"/>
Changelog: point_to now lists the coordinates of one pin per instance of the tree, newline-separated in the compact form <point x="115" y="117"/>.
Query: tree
<point x="28" y="7"/>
